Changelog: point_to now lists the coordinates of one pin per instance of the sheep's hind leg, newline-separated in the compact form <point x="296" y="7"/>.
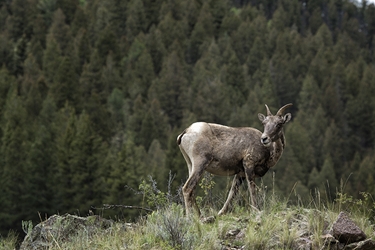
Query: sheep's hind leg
<point x="237" y="181"/>
<point x="188" y="189"/>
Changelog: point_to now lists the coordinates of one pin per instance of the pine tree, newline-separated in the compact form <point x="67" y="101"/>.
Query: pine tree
<point x="243" y="40"/>
<point x="298" y="140"/>
<point x="107" y="43"/>
<point x="14" y="173"/>
<point x="79" y="21"/>
<point x="6" y="82"/>
<point x="202" y="32"/>
<point x="65" y="86"/>
<point x="126" y="173"/>
<point x="88" y="152"/>
<point x="136" y="19"/>
<point x="357" y="110"/>
<point x="64" y="190"/>
<point x="156" y="47"/>
<point x="231" y="22"/>
<point x="256" y="55"/>
<point x="144" y="71"/>
<point x="175" y="164"/>
<point x="40" y="159"/>
<point x="155" y="162"/>
<point x="291" y="175"/>
<point x="328" y="178"/>
<point x="117" y="108"/>
<point x="51" y="60"/>
<point x="68" y="7"/>
<point x="168" y="88"/>
<point x="335" y="143"/>
<point x="171" y="29"/>
<point x="60" y="31"/>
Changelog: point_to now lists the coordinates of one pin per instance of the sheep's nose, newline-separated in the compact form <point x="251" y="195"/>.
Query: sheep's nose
<point x="265" y="140"/>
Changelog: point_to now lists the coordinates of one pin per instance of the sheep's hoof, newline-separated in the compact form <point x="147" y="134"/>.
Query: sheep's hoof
<point x="208" y="220"/>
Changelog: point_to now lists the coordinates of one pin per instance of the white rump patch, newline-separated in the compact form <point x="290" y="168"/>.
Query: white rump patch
<point x="197" y="127"/>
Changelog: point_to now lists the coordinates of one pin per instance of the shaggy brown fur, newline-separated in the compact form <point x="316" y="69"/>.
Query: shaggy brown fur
<point x="245" y="152"/>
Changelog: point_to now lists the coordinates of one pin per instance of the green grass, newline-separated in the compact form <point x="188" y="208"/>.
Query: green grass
<point x="8" y="242"/>
<point x="277" y="225"/>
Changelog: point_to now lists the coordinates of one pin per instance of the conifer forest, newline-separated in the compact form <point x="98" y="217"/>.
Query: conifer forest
<point x="94" y="93"/>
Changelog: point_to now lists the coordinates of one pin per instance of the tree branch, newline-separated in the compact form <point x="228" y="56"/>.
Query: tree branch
<point x="108" y="206"/>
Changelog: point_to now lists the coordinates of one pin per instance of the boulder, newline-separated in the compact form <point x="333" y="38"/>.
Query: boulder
<point x="61" y="228"/>
<point x="346" y="231"/>
<point x="368" y="244"/>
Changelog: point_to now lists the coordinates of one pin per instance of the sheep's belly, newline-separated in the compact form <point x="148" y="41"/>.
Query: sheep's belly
<point x="224" y="169"/>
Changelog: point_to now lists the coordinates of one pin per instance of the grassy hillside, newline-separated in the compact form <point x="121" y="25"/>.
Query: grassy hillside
<point x="277" y="225"/>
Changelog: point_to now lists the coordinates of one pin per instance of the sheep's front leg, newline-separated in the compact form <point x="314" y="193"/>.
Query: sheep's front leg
<point x="237" y="181"/>
<point x="249" y="165"/>
<point x="250" y="177"/>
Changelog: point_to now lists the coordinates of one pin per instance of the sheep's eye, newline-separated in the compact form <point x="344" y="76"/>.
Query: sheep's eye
<point x="278" y="125"/>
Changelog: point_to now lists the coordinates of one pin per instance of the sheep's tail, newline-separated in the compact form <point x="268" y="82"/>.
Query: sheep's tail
<point x="180" y="137"/>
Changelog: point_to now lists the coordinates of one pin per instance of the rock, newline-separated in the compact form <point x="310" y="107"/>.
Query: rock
<point x="303" y="244"/>
<point x="346" y="231"/>
<point x="61" y="228"/>
<point x="329" y="239"/>
<point x="208" y="220"/>
<point x="233" y="232"/>
<point x="368" y="244"/>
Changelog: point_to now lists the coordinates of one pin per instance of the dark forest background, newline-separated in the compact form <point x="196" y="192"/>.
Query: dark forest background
<point x="94" y="93"/>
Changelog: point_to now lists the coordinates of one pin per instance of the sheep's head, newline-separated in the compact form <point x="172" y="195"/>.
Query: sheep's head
<point x="273" y="124"/>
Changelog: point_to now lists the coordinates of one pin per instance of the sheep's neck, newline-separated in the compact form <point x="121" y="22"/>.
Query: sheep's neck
<point x="277" y="150"/>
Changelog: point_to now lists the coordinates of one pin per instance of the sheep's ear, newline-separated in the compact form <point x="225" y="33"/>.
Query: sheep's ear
<point x="287" y="117"/>
<point x="261" y="117"/>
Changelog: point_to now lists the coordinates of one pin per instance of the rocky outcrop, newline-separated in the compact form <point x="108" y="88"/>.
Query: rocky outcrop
<point x="343" y="234"/>
<point x="346" y="235"/>
<point x="62" y="228"/>
<point x="346" y="231"/>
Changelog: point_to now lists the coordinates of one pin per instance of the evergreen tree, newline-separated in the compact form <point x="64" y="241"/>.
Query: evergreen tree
<point x="168" y="88"/>
<point x="171" y="29"/>
<point x="144" y="71"/>
<point x="40" y="159"/>
<point x="126" y="173"/>
<point x="136" y="19"/>
<point x="6" y="82"/>
<point x="68" y="7"/>
<point x="65" y="86"/>
<point x="64" y="189"/>
<point x="357" y="110"/>
<point x="155" y="162"/>
<point x="364" y="177"/>
<point x="231" y="21"/>
<point x="51" y="60"/>
<point x="328" y="178"/>
<point x="60" y="31"/>
<point x="202" y="32"/>
<point x="116" y="105"/>
<point x="298" y="140"/>
<point x="79" y="21"/>
<point x="86" y="163"/>
<point x="256" y="55"/>
<point x="175" y="164"/>
<point x="243" y="40"/>
<point x="156" y="47"/>
<point x="107" y="43"/>
<point x="14" y="173"/>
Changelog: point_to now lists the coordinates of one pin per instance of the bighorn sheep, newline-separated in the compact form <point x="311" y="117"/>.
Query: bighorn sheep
<point x="220" y="150"/>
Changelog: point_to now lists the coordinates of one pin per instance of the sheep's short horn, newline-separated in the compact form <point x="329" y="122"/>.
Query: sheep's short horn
<point x="268" y="110"/>
<point x="282" y="109"/>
